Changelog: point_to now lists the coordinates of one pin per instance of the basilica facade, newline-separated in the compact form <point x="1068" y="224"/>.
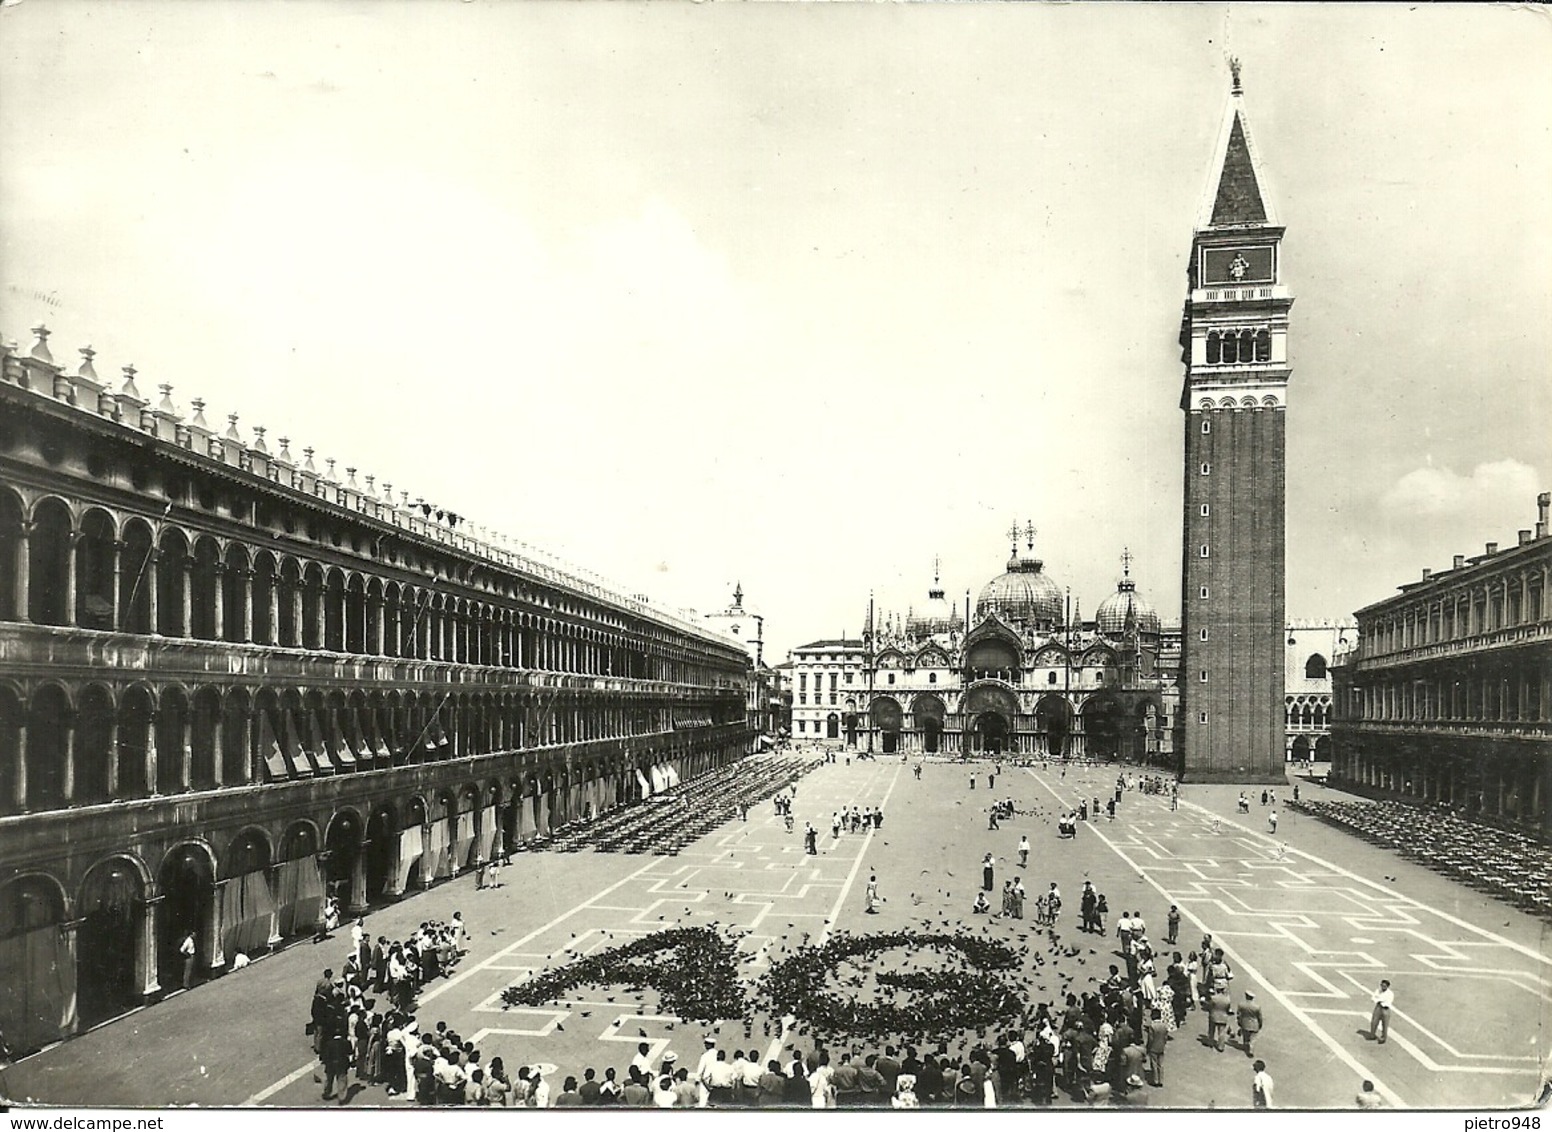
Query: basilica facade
<point x="1019" y="674"/>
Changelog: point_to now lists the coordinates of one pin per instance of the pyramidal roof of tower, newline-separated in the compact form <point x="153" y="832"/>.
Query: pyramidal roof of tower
<point x="1236" y="195"/>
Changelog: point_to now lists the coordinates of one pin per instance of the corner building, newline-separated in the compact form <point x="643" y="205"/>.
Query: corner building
<point x="231" y="683"/>
<point x="1234" y="338"/>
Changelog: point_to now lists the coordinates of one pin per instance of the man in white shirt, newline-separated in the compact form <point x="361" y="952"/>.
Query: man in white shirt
<point x="642" y="1062"/>
<point x="708" y="1059"/>
<point x="1023" y="851"/>
<point x="1261" y="1087"/>
<point x="1379" y="1021"/>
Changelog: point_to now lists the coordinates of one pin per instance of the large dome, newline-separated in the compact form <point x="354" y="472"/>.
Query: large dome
<point x="1024" y="595"/>
<point x="1124" y="609"/>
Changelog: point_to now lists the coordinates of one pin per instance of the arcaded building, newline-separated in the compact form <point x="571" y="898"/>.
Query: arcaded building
<point x="1447" y="697"/>
<point x="232" y="682"/>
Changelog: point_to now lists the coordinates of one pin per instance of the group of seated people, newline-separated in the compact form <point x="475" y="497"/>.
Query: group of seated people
<point x="1512" y="866"/>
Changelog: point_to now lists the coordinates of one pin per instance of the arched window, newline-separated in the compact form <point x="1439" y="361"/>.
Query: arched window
<point x="1263" y="345"/>
<point x="1315" y="667"/>
<point x="1247" y="345"/>
<point x="1214" y="347"/>
<point x="1230" y="349"/>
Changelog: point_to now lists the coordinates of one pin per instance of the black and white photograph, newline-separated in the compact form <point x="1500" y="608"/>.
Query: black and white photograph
<point x="774" y="556"/>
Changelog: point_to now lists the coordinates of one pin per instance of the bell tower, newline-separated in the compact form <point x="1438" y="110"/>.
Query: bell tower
<point x="1234" y="340"/>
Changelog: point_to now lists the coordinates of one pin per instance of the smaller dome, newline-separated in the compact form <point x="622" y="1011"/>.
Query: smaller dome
<point x="936" y="617"/>
<point x="1125" y="609"/>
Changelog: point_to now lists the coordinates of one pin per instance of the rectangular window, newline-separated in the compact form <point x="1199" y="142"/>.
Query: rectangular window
<point x="1204" y="593"/>
<point x="832" y="697"/>
<point x="802" y="725"/>
<point x="1203" y="676"/>
<point x="1206" y="510"/>
<point x="1206" y="426"/>
<point x="1204" y="550"/>
<point x="1204" y="634"/>
<point x="1201" y="717"/>
<point x="891" y="677"/>
<point x="802" y="698"/>
<point x="1206" y="469"/>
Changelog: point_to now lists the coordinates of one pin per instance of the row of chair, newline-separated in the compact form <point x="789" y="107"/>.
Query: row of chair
<point x="1510" y="866"/>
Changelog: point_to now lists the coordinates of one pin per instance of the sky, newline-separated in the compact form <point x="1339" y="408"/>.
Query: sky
<point x="803" y="296"/>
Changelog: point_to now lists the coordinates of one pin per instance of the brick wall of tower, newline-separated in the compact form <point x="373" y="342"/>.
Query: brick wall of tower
<point x="1243" y="613"/>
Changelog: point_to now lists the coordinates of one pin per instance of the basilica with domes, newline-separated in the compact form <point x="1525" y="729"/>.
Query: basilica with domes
<point x="1022" y="675"/>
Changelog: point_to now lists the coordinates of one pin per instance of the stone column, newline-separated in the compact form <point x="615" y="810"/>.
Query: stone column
<point x="274" y="610"/>
<point x="247" y="747"/>
<point x="68" y="929"/>
<point x="211" y="930"/>
<point x="271" y="877"/>
<point x="145" y="953"/>
<point x="113" y="756"/>
<point x="21" y="763"/>
<point x="217" y="742"/>
<point x="186" y="756"/>
<point x="150" y="755"/>
<point x="188" y="595"/>
<point x="70" y="553"/>
<point x="69" y="723"/>
<point x="23" y="568"/>
<point x="358" y="893"/>
<point x="117" y="549"/>
<point x="246" y="576"/>
<point x="218" y="618"/>
<point x="150" y="579"/>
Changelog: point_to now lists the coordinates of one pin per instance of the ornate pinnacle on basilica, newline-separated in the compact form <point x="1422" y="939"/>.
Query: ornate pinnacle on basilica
<point x="1126" y="561"/>
<point x="1029" y="534"/>
<point x="1234" y="72"/>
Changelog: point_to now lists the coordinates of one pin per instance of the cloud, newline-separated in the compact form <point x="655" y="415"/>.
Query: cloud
<point x="1442" y="492"/>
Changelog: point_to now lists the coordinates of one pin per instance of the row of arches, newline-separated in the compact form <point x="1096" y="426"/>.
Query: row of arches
<point x="1309" y="714"/>
<point x="990" y="721"/>
<point x="91" y="571"/>
<point x="62" y="745"/>
<point x="78" y="953"/>
<point x="1229" y="347"/>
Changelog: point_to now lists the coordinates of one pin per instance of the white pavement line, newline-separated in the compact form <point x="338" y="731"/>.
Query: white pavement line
<point x="1390" y="893"/>
<point x="1325" y="1039"/>
<point x="867" y="839"/>
<point x="264" y="1094"/>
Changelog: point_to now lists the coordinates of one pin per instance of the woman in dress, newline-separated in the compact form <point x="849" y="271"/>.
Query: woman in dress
<point x="1101" y="1059"/>
<point x="1194" y="977"/>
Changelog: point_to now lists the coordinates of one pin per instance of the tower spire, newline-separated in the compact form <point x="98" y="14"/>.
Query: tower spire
<point x="1236" y="194"/>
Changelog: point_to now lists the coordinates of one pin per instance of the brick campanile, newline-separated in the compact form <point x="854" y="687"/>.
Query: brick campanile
<point x="1234" y="339"/>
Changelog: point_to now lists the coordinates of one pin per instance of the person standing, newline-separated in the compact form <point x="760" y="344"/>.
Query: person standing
<point x="873" y="898"/>
<point x="1023" y="851"/>
<point x="1271" y="820"/>
<point x="1172" y="935"/>
<point x="1249" y="1022"/>
<point x="1218" y="1004"/>
<point x="986" y="873"/>
<point x="187" y="950"/>
<point x="1261" y="1086"/>
<point x="1155" y="1038"/>
<point x="1379" y="1021"/>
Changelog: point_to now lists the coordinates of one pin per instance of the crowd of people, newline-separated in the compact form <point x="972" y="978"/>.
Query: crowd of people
<point x="363" y="1018"/>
